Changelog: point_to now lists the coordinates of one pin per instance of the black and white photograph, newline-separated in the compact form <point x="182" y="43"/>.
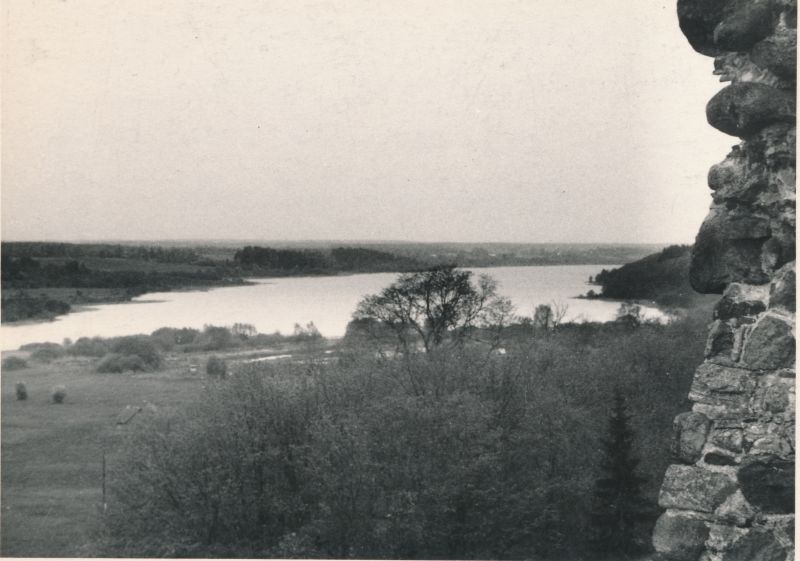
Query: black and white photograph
<point x="384" y="279"/>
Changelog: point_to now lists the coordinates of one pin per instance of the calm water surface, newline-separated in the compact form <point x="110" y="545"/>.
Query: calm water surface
<point x="277" y="304"/>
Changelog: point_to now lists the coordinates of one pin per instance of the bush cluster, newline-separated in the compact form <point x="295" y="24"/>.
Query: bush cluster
<point x="452" y="454"/>
<point x="59" y="394"/>
<point x="21" y="391"/>
<point x="216" y="367"/>
<point x="114" y="363"/>
<point x="44" y="352"/>
<point x="86" y="346"/>
<point x="135" y="353"/>
<point x="14" y="363"/>
<point x="143" y="352"/>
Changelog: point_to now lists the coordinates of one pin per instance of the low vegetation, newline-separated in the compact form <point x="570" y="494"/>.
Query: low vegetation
<point x="453" y="453"/>
<point x="145" y="353"/>
<point x="59" y="394"/>
<point x="44" y="352"/>
<point x="21" y="391"/>
<point x="14" y="363"/>
<point x="216" y="367"/>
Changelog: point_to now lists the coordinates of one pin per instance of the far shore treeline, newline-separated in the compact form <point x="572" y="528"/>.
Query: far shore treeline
<point x="662" y="278"/>
<point x="42" y="280"/>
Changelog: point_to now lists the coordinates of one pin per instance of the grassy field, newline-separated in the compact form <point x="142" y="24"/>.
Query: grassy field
<point x="52" y="455"/>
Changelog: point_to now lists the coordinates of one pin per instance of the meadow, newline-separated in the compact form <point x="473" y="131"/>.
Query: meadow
<point x="52" y="454"/>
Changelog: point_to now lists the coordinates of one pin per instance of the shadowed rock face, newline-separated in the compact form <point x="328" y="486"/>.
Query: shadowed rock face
<point x="749" y="232"/>
<point x="730" y="494"/>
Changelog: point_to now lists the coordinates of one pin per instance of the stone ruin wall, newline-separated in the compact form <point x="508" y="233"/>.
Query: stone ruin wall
<point x="730" y="493"/>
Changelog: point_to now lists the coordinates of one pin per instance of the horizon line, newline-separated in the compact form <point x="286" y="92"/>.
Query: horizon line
<point x="127" y="241"/>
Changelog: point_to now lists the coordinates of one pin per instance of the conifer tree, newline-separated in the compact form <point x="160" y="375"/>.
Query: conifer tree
<point x="618" y="503"/>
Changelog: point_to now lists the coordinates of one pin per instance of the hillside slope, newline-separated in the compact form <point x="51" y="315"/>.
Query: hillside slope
<point x="662" y="277"/>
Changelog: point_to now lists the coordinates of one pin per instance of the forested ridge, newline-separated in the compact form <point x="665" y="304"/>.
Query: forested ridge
<point x="662" y="277"/>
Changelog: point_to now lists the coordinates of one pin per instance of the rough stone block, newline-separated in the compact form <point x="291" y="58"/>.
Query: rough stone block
<point x="728" y="439"/>
<point x="690" y="430"/>
<point x="756" y="545"/>
<point x="744" y="108"/>
<point x="722" y="385"/>
<point x="721" y="536"/>
<point x="774" y="395"/>
<point x="736" y="510"/>
<point x="728" y="249"/>
<point x="728" y="410"/>
<point x="770" y="444"/>
<point x="728" y="171"/>
<point x="720" y="339"/>
<point x="771" y="255"/>
<point x="782" y="525"/>
<point x="694" y="488"/>
<point x="746" y="22"/>
<point x="737" y="180"/>
<point x="778" y="53"/>
<point x="768" y="484"/>
<point x="738" y="67"/>
<point x="773" y="437"/>
<point x="740" y="300"/>
<point x="775" y="146"/>
<point x="698" y="19"/>
<point x="770" y="345"/>
<point x="719" y="459"/>
<point x="782" y="291"/>
<point x="678" y="537"/>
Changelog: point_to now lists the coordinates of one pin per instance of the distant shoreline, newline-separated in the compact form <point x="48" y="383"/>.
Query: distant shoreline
<point x="43" y="281"/>
<point x="117" y="298"/>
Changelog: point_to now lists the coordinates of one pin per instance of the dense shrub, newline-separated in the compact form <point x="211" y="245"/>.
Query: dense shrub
<point x="85" y="346"/>
<point x="13" y="363"/>
<point x="59" y="394"/>
<point x="214" y="338"/>
<point x="47" y="352"/>
<point x="21" y="391"/>
<point x="454" y="454"/>
<point x="167" y="338"/>
<point x="22" y="306"/>
<point x="116" y="363"/>
<point x="138" y="346"/>
<point x="216" y="367"/>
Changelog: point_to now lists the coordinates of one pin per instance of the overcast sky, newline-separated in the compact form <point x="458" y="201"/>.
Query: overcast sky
<point x="522" y="121"/>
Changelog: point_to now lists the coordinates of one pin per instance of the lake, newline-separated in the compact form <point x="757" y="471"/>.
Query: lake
<point x="277" y="304"/>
